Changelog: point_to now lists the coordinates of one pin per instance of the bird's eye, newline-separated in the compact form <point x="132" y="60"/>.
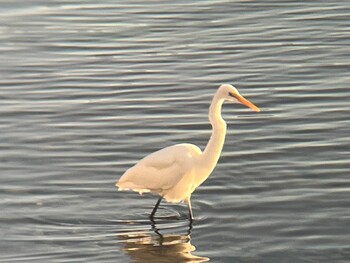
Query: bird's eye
<point x="232" y="95"/>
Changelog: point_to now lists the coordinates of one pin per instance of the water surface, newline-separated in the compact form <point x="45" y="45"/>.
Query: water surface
<point x="89" y="88"/>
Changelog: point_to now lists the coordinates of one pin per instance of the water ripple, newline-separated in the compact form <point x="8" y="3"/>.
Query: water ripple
<point x="90" y="88"/>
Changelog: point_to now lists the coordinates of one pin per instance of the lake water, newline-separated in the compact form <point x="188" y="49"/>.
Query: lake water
<point x="88" y="88"/>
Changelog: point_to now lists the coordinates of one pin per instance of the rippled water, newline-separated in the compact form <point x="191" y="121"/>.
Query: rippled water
<point x="88" y="88"/>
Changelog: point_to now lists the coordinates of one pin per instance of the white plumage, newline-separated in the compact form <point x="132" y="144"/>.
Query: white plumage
<point x="160" y="171"/>
<point x="176" y="171"/>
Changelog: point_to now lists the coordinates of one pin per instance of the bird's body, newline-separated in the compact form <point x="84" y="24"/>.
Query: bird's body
<point x="164" y="172"/>
<point x="176" y="171"/>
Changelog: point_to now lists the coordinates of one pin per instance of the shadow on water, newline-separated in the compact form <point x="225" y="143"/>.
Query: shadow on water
<point x="158" y="246"/>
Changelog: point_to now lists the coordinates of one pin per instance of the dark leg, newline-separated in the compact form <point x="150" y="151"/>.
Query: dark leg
<point x="156" y="207"/>
<point x="189" y="209"/>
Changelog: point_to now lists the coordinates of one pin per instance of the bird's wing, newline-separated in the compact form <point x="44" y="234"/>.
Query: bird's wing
<point x="160" y="170"/>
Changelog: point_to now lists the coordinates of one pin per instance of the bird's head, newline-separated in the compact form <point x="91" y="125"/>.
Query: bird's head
<point x="230" y="93"/>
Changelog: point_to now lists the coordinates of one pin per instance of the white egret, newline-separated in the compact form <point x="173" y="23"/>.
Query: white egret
<point x="176" y="171"/>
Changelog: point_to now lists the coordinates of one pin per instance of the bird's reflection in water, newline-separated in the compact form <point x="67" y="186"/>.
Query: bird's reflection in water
<point x="157" y="247"/>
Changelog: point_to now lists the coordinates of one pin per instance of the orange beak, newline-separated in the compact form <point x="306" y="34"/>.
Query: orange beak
<point x="246" y="102"/>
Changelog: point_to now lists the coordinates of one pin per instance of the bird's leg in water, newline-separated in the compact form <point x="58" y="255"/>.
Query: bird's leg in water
<point x="156" y="207"/>
<point x="189" y="209"/>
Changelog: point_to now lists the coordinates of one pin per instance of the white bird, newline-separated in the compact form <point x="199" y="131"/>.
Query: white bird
<point x="176" y="171"/>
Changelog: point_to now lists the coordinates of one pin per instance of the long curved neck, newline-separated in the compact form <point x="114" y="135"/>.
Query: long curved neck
<point x="213" y="149"/>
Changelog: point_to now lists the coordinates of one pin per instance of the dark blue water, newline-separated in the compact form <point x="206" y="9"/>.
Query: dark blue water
<point x="88" y="88"/>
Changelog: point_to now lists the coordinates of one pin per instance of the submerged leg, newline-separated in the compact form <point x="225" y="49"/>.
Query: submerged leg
<point x="156" y="207"/>
<point x="189" y="208"/>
